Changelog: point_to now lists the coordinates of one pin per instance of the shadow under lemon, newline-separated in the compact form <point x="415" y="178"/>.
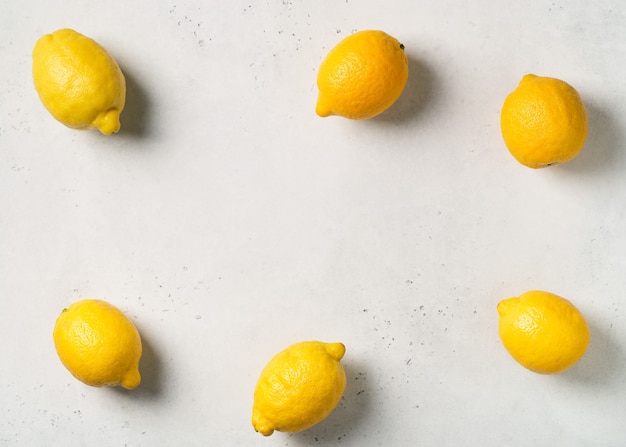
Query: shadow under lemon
<point x="417" y="96"/>
<point x="603" y="147"/>
<point x="135" y="118"/>
<point x="151" y="371"/>
<point x="602" y="363"/>
<point x="350" y="414"/>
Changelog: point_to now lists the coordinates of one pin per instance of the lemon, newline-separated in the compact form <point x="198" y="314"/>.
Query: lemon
<point x="299" y="387"/>
<point x="543" y="332"/>
<point x="543" y="122"/>
<point x="98" y="344"/>
<point x="362" y="76"/>
<point x="79" y="83"/>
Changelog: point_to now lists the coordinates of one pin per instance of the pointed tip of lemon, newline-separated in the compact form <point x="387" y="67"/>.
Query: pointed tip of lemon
<point x="265" y="432"/>
<point x="336" y="350"/>
<point x="505" y="305"/>
<point x="43" y="40"/>
<point x="322" y="108"/>
<point x="107" y="122"/>
<point x="131" y="380"/>
<point x="261" y="424"/>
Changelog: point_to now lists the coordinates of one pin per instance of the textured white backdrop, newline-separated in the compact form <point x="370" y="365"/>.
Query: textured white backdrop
<point x="229" y="221"/>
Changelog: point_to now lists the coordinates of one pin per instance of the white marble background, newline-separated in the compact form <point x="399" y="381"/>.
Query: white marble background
<point x="229" y="221"/>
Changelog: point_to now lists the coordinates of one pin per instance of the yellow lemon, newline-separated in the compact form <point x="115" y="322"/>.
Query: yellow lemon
<point x="543" y="122"/>
<point x="299" y="387"/>
<point x="79" y="83"/>
<point x="543" y="332"/>
<point x="362" y="76"/>
<point x="98" y="344"/>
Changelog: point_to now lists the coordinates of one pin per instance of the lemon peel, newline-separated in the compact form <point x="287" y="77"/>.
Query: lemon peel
<point x="299" y="387"/>
<point x="78" y="81"/>
<point x="362" y="76"/>
<point x="542" y="331"/>
<point x="98" y="344"/>
<point x="543" y="122"/>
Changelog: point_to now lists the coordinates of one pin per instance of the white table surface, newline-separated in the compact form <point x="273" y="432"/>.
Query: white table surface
<point x="229" y="221"/>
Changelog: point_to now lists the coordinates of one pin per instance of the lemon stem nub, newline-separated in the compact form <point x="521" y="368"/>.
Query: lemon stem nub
<point x="108" y="122"/>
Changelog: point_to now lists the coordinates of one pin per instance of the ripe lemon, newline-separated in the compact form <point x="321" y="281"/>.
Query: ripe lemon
<point x="98" y="344"/>
<point x="362" y="76"/>
<point x="543" y="332"/>
<point x="543" y="122"/>
<point x="79" y="83"/>
<point x="299" y="387"/>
